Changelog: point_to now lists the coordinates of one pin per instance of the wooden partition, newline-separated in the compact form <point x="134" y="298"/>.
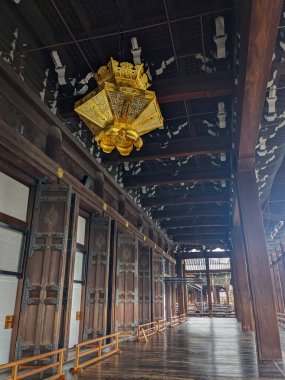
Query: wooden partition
<point x="95" y="318"/>
<point x="47" y="357"/>
<point x="144" y="285"/>
<point x="127" y="284"/>
<point x="39" y="320"/>
<point x="146" y="330"/>
<point x="95" y="346"/>
<point x="157" y="274"/>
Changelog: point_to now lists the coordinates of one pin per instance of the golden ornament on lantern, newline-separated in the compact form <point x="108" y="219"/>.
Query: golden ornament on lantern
<point x="121" y="109"/>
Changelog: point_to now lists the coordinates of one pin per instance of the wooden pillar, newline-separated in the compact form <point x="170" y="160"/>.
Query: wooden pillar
<point x="241" y="272"/>
<point x="228" y="297"/>
<point x="99" y="184"/>
<point x="275" y="276"/>
<point x="214" y="294"/>
<point x="237" y="298"/>
<point x="218" y="295"/>
<point x="122" y="205"/>
<point x="210" y="306"/>
<point x="185" y="290"/>
<point x="266" y="326"/>
<point x="180" y="287"/>
<point x="281" y="265"/>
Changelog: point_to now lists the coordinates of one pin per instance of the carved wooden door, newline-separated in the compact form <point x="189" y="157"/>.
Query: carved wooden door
<point x="157" y="272"/>
<point x="144" y="287"/>
<point x="95" y="319"/>
<point x="127" y="284"/>
<point x="39" y="321"/>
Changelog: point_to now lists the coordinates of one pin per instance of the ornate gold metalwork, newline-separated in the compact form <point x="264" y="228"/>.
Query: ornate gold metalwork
<point x="121" y="109"/>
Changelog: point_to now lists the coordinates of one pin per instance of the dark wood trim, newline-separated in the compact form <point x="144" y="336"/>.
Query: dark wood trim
<point x="35" y="160"/>
<point x="179" y="201"/>
<point x="267" y="331"/>
<point x="197" y="175"/>
<point x="35" y="110"/>
<point x="13" y="223"/>
<point x="257" y="45"/>
<point x="176" y="148"/>
<point x="194" y="87"/>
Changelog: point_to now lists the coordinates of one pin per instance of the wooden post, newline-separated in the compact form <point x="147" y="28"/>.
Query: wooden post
<point x="180" y="287"/>
<point x="185" y="290"/>
<point x="210" y="305"/>
<point x="267" y="332"/>
<point x="99" y="184"/>
<point x="237" y="298"/>
<point x="214" y="294"/>
<point x="245" y="311"/>
<point x="122" y="205"/>
<point x="281" y="265"/>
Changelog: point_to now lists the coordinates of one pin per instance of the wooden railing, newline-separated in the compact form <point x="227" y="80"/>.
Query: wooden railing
<point x="146" y="330"/>
<point x="95" y="346"/>
<point x="161" y="325"/>
<point x="183" y="318"/>
<point x="175" y="321"/>
<point x="16" y="366"/>
<point x="281" y="319"/>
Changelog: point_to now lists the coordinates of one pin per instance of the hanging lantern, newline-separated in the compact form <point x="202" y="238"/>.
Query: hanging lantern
<point x="121" y="109"/>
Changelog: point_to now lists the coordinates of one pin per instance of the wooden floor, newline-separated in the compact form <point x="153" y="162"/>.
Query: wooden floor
<point x="201" y="348"/>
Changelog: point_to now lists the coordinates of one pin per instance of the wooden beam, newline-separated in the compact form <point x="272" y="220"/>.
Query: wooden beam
<point x="175" y="148"/>
<point x="189" y="272"/>
<point x="198" y="238"/>
<point x="210" y="305"/>
<point x="257" y="45"/>
<point x="19" y="152"/>
<point x="191" y="200"/>
<point x="267" y="331"/>
<point x="176" y="213"/>
<point x="194" y="223"/>
<point x="273" y="217"/>
<point x="196" y="86"/>
<point x="240" y="268"/>
<point x="193" y="175"/>
<point x="203" y="255"/>
<point x="211" y="230"/>
<point x="18" y="93"/>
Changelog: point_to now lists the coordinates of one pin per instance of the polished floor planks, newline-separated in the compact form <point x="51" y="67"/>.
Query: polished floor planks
<point x="201" y="348"/>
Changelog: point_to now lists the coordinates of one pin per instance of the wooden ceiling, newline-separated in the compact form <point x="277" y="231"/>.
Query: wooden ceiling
<point x="183" y="175"/>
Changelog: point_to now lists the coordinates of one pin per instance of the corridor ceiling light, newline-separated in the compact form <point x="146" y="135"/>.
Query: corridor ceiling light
<point x="121" y="109"/>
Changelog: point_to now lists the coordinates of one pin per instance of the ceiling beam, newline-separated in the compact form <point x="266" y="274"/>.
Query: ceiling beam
<point x="194" y="87"/>
<point x="178" y="200"/>
<point x="193" y="175"/>
<point x="193" y="239"/>
<point x="189" y="272"/>
<point x="176" y="148"/>
<point x="176" y="213"/>
<point x="257" y="46"/>
<point x="203" y="255"/>
<point x="193" y="222"/>
<point x="203" y="230"/>
<point x="273" y="217"/>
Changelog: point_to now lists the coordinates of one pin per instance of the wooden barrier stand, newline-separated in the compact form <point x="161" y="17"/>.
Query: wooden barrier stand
<point x="16" y="366"/>
<point x="146" y="330"/>
<point x="281" y="319"/>
<point x="161" y="325"/>
<point x="175" y="321"/>
<point x="79" y="366"/>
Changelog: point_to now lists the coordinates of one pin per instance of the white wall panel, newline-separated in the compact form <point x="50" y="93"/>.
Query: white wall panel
<point x="8" y="291"/>
<point x="13" y="197"/>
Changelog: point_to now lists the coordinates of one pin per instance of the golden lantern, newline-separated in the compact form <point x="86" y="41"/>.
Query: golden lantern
<point x="121" y="109"/>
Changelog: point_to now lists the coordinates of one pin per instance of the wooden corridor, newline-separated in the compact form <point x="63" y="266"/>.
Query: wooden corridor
<point x="198" y="349"/>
